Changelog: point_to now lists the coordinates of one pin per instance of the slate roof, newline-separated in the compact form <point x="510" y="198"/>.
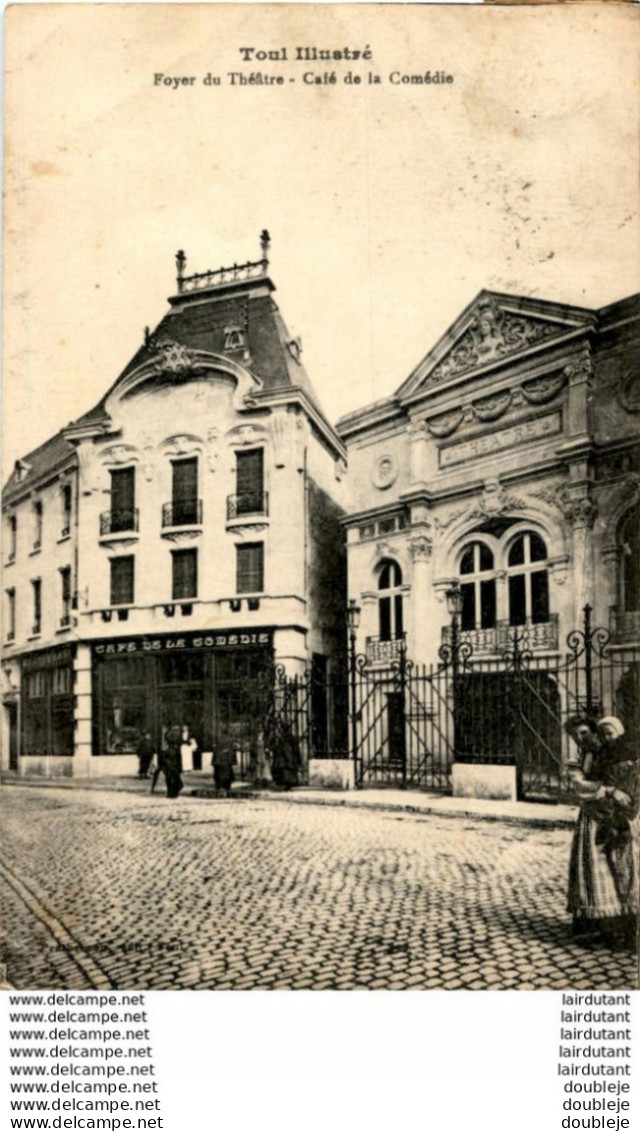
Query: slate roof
<point x="38" y="464"/>
<point x="199" y="320"/>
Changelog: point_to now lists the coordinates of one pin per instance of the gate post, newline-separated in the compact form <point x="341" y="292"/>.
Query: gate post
<point x="353" y="619"/>
<point x="402" y="681"/>
<point x="588" y="670"/>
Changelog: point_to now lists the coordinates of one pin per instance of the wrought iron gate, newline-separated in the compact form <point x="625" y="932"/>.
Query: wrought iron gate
<point x="402" y="725"/>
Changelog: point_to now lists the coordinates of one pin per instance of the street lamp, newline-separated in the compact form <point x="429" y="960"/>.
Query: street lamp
<point x="453" y="598"/>
<point x="353" y="621"/>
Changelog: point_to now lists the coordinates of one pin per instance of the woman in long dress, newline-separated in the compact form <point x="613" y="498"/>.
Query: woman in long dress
<point x="172" y="762"/>
<point x="603" y="868"/>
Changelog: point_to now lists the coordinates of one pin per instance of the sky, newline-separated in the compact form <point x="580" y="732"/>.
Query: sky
<point x="390" y="204"/>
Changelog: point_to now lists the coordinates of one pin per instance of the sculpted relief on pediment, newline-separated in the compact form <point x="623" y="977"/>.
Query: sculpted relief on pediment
<point x="492" y="335"/>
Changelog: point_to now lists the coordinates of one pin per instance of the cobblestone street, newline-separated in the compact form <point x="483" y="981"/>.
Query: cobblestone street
<point x="116" y="889"/>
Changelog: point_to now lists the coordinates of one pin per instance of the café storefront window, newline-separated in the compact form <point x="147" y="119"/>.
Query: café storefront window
<point x="210" y="683"/>
<point x="47" y="703"/>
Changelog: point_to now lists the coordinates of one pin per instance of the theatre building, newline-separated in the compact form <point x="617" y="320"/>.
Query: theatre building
<point x="492" y="498"/>
<point x="166" y="553"/>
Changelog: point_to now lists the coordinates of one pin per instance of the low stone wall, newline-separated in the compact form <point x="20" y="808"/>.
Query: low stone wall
<point x="497" y="782"/>
<point x="331" y="773"/>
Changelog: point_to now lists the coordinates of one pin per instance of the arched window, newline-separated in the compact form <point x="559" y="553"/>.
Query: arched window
<point x="478" y="587"/>
<point x="629" y="543"/>
<point x="528" y="580"/>
<point x="390" y="601"/>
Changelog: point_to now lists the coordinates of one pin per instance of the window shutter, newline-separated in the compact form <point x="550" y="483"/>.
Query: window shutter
<point x="185" y="491"/>
<point x="185" y="574"/>
<point x="122" y="498"/>
<point x="122" y="581"/>
<point x="249" y="480"/>
<point x="250" y="568"/>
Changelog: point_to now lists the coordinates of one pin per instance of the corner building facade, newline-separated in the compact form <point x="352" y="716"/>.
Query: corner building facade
<point x="506" y="468"/>
<point x="171" y="546"/>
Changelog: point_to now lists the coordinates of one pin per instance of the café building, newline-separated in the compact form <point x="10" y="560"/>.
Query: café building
<point x="164" y="553"/>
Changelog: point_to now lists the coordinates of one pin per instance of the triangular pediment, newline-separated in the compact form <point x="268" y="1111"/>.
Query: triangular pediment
<point x="492" y="329"/>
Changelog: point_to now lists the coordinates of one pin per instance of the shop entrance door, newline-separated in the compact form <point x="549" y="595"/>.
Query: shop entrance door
<point x="12" y="720"/>
<point x="181" y="701"/>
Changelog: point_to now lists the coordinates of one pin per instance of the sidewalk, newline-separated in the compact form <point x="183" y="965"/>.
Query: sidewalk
<point x="198" y="786"/>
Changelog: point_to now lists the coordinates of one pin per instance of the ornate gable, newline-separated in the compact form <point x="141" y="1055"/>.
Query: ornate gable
<point x="494" y="327"/>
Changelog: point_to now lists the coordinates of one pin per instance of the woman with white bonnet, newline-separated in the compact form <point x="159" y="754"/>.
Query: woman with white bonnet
<point x="603" y="869"/>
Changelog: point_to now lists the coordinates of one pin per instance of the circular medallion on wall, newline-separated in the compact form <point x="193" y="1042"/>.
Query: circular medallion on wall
<point x="385" y="472"/>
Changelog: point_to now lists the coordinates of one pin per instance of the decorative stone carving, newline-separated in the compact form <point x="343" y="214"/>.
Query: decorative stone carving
<point x="492" y="407"/>
<point x="629" y="392"/>
<point x="580" y="369"/>
<point x="295" y="349"/>
<point x="213" y="449"/>
<point x="181" y="445"/>
<point x="420" y="547"/>
<point x="417" y="429"/>
<point x="543" y="389"/>
<point x="495" y="501"/>
<point x="340" y="469"/>
<point x="493" y="333"/>
<point x="578" y="508"/>
<point x="148" y="447"/>
<point x="385" y="472"/>
<point x="119" y="453"/>
<point x="173" y="359"/>
<point x="279" y="425"/>
<point x="442" y="524"/>
<point x="559" y="569"/>
<point x="301" y="434"/>
<point x="445" y="423"/>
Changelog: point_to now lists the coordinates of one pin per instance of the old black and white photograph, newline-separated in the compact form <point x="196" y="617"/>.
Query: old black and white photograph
<point x="321" y="498"/>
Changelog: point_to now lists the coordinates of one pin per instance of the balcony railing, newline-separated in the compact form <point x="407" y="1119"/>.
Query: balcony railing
<point x="240" y="272"/>
<point x="247" y="503"/>
<point x="119" y="521"/>
<point x="379" y="651"/>
<point x="541" y="636"/>
<point x="187" y="513"/>
<point x="625" y="626"/>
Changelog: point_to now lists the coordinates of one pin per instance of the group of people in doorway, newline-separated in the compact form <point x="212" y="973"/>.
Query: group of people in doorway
<point x="604" y="874"/>
<point x="179" y="750"/>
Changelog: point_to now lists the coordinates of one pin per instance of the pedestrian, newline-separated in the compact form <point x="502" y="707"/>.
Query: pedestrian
<point x="582" y="730"/>
<point x="190" y="758"/>
<point x="285" y="760"/>
<point x="158" y="769"/>
<point x="223" y="762"/>
<point x="144" y="750"/>
<point x="172" y="762"/>
<point x="603" y="878"/>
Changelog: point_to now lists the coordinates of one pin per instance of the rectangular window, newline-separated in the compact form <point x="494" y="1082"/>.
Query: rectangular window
<point x="11" y="614"/>
<point x="250" y="482"/>
<point x="517" y="600"/>
<point x="250" y="567"/>
<point x="66" y="510"/>
<point x="37" y="525"/>
<point x="123" y="499"/>
<point x="65" y="583"/>
<point x="384" y="618"/>
<point x="488" y="604"/>
<point x="37" y="606"/>
<point x="122" y="580"/>
<point x="468" y="618"/>
<point x="540" y="597"/>
<point x="184" y="492"/>
<point x="185" y="575"/>
<point x="13" y="536"/>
